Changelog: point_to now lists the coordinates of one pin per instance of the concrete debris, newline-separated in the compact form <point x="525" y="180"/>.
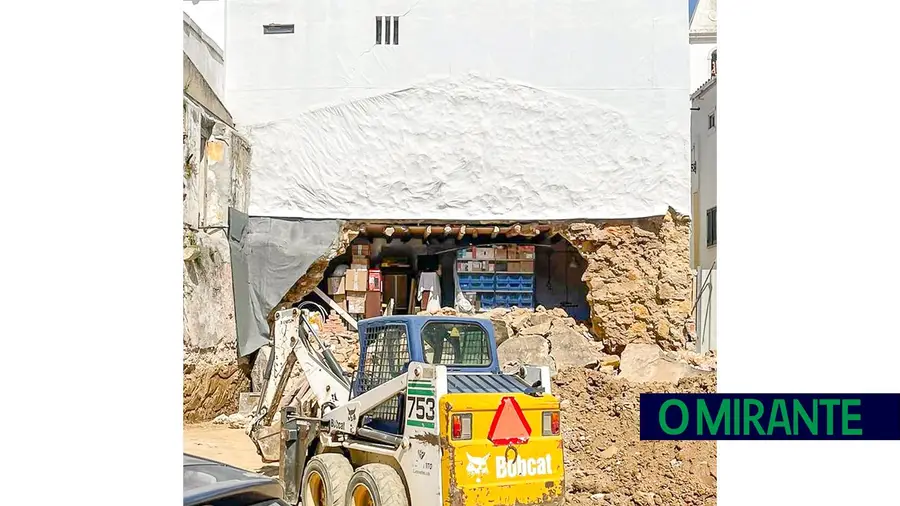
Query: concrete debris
<point x="643" y="363"/>
<point x="541" y="329"/>
<point x="525" y="350"/>
<point x="235" y="421"/>
<point x="570" y="348"/>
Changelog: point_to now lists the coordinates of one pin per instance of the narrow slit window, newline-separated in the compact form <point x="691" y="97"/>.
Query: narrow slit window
<point x="712" y="120"/>
<point x="711" y="227"/>
<point x="276" y="29"/>
<point x="387" y="30"/>
<point x="396" y="30"/>
<point x="378" y="29"/>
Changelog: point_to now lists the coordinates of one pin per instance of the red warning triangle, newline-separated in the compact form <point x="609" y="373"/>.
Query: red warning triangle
<point x="509" y="425"/>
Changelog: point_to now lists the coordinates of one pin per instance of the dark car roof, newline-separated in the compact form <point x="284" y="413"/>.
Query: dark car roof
<point x="206" y="480"/>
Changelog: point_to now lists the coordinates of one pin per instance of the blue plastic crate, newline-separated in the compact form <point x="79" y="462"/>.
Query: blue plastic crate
<point x="487" y="301"/>
<point x="515" y="282"/>
<point x="524" y="300"/>
<point x="472" y="281"/>
<point x="527" y="282"/>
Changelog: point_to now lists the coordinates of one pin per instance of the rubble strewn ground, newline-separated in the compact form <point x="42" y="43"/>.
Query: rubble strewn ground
<point x="606" y="462"/>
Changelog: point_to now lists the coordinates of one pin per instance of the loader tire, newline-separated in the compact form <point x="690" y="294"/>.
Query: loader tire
<point x="325" y="480"/>
<point x="376" y="485"/>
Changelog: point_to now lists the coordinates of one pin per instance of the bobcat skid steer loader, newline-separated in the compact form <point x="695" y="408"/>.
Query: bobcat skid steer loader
<point x="427" y="420"/>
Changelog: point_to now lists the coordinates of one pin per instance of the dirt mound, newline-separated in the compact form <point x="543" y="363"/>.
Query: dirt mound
<point x="607" y="463"/>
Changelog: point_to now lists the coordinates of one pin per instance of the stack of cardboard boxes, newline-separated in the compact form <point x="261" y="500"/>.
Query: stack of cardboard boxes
<point x="358" y="291"/>
<point x="517" y="258"/>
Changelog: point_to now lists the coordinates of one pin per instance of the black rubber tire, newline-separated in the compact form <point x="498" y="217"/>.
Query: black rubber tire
<point x="383" y="483"/>
<point x="335" y="472"/>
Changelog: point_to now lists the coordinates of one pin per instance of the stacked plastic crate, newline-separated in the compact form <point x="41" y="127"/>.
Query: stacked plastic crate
<point x="497" y="276"/>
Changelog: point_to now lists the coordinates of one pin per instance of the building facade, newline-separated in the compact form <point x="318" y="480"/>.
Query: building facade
<point x="703" y="29"/>
<point x="423" y="109"/>
<point x="216" y="178"/>
<point x="704" y="210"/>
<point x="449" y="125"/>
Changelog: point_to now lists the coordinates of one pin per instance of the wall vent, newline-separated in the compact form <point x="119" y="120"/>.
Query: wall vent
<point x="275" y="29"/>
<point x="387" y="30"/>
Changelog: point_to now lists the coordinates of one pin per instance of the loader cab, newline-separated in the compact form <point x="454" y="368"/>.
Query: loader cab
<point x="388" y="344"/>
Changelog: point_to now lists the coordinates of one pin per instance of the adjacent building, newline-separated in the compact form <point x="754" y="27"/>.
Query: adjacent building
<point x="216" y="178"/>
<point x="704" y="210"/>
<point x="702" y="37"/>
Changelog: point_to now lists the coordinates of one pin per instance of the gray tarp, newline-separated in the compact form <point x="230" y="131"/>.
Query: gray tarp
<point x="269" y="255"/>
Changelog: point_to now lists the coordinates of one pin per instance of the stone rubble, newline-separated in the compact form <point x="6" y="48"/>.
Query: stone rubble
<point x="235" y="421"/>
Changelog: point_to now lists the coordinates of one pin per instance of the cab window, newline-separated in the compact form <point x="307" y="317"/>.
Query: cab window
<point x="462" y="344"/>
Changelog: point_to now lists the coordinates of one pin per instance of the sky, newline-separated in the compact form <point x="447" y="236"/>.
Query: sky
<point x="209" y="16"/>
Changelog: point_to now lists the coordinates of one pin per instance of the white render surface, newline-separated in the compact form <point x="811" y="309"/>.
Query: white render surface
<point x="486" y="110"/>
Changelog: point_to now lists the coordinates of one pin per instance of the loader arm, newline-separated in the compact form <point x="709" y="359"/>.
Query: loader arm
<point x="346" y="417"/>
<point x="293" y="345"/>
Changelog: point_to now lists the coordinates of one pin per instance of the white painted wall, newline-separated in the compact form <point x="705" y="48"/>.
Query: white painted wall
<point x="206" y="55"/>
<point x="704" y="182"/>
<point x="487" y="109"/>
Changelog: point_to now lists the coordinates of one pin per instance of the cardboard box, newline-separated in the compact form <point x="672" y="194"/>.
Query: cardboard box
<point x="463" y="267"/>
<point x="356" y="302"/>
<point x="484" y="253"/>
<point x="501" y="267"/>
<point x="356" y="280"/>
<point x="513" y="266"/>
<point x="466" y="254"/>
<point x="526" y="252"/>
<point x="361" y="250"/>
<point x="336" y="285"/>
<point x="340" y="300"/>
<point x="476" y="266"/>
<point x="374" y="284"/>
<point x="488" y="266"/>
<point x="373" y="304"/>
<point x="360" y="260"/>
<point x="500" y="252"/>
<point x="512" y="252"/>
<point x="526" y="266"/>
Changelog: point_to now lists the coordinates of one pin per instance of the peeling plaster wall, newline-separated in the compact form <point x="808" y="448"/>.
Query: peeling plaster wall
<point x="474" y="115"/>
<point x="216" y="176"/>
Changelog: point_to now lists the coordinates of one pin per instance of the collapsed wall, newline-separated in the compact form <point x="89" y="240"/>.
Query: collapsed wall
<point x="639" y="279"/>
<point x="215" y="177"/>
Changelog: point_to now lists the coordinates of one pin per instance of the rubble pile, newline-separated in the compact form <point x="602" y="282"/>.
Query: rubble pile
<point x="551" y="337"/>
<point x="607" y="464"/>
<point x="343" y="343"/>
<point x="546" y="337"/>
